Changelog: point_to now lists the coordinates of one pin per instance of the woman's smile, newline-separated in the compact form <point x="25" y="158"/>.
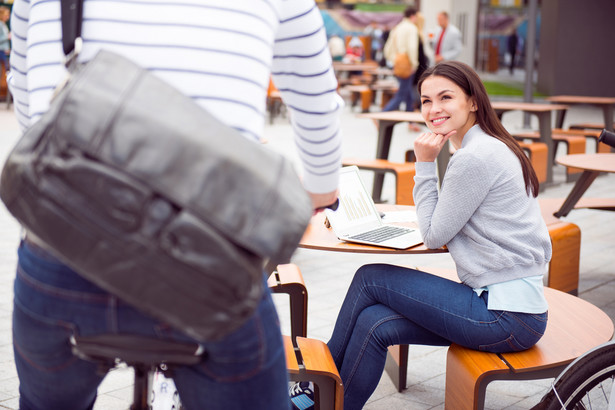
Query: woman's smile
<point x="438" y="120"/>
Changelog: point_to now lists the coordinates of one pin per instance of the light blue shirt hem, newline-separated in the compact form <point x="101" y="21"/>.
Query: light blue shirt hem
<point x="524" y="295"/>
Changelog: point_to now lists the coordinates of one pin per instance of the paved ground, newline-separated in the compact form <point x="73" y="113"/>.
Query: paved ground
<point x="328" y="275"/>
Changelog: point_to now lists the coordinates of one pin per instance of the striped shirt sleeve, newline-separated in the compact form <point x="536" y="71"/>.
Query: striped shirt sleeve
<point x="303" y="73"/>
<point x="219" y="53"/>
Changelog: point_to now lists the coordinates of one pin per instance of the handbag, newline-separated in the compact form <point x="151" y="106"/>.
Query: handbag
<point x="146" y="194"/>
<point x="402" y="67"/>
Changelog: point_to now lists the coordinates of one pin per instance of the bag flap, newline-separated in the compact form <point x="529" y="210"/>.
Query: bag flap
<point x="121" y="114"/>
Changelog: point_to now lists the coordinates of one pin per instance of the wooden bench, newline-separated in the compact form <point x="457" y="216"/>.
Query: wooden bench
<point x="306" y="359"/>
<point x="537" y="152"/>
<point x="310" y="360"/>
<point x="574" y="327"/>
<point x="575" y="144"/>
<point x="588" y="126"/>
<point x="362" y="92"/>
<point x="4" y="89"/>
<point x="549" y="206"/>
<point x="589" y="134"/>
<point x="565" y="258"/>
<point x="404" y="173"/>
<point x="566" y="241"/>
<point x="287" y="278"/>
<point x="274" y="101"/>
<point x="566" y="248"/>
<point x="386" y="88"/>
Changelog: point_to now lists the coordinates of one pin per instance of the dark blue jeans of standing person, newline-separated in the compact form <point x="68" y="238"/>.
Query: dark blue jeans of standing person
<point x="403" y="95"/>
<point x="246" y="369"/>
<point x="390" y="305"/>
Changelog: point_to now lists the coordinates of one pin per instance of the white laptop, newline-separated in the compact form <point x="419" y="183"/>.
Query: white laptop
<point x="357" y="220"/>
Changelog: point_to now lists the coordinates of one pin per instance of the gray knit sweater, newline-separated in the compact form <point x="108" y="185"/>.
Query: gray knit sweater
<point x="493" y="229"/>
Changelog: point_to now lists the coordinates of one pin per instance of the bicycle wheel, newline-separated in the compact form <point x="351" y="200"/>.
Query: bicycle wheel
<point x="588" y="383"/>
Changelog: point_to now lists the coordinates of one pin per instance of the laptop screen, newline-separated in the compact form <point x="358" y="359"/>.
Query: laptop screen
<point x="356" y="207"/>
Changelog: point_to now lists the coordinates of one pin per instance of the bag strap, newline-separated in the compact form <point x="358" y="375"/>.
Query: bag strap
<point x="72" y="17"/>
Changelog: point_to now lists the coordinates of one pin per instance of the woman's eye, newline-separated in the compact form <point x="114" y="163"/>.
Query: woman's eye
<point x="424" y="102"/>
<point x="446" y="97"/>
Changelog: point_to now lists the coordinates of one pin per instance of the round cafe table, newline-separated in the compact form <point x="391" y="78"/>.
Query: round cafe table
<point x="592" y="165"/>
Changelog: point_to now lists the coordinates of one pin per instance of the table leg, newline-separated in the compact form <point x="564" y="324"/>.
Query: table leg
<point x="559" y="121"/>
<point x="396" y="365"/>
<point x="608" y="117"/>
<point x="586" y="179"/>
<point x="385" y="134"/>
<point x="544" y="125"/>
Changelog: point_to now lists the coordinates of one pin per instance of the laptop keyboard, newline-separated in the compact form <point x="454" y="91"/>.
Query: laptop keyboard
<point x="381" y="234"/>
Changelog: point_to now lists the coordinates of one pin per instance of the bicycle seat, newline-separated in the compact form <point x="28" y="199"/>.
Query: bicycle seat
<point x="138" y="350"/>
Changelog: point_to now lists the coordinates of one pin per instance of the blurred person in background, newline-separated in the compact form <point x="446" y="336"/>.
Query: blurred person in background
<point x="5" y="37"/>
<point x="404" y="38"/>
<point x="446" y="43"/>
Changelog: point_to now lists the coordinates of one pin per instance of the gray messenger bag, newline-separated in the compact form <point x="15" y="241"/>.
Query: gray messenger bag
<point x="144" y="193"/>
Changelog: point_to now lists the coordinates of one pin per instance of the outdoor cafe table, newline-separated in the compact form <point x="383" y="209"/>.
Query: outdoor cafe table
<point x="543" y="112"/>
<point x="592" y="165"/>
<point x="386" y="122"/>
<point x="317" y="236"/>
<point x="606" y="103"/>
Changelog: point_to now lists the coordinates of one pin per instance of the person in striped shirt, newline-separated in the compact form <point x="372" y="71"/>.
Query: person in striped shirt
<point x="221" y="54"/>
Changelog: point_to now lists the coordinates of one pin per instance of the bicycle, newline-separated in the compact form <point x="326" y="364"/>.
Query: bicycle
<point x="587" y="383"/>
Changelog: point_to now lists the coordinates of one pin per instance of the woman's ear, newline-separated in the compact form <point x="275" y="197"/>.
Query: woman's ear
<point x="473" y="106"/>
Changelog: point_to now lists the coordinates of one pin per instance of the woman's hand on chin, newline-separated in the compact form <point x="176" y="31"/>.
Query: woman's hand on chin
<point x="429" y="144"/>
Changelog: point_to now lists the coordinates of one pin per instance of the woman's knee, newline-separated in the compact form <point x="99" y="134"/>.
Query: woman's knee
<point x="371" y="270"/>
<point x="379" y="325"/>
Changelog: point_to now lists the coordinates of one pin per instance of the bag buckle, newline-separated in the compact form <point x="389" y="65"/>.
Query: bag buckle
<point x="71" y="58"/>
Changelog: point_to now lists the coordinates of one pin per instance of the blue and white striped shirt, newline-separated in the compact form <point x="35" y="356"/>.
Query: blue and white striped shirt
<point x="218" y="52"/>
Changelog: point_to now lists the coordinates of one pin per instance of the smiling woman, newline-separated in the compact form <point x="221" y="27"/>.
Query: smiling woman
<point x="455" y="81"/>
<point x="487" y="215"/>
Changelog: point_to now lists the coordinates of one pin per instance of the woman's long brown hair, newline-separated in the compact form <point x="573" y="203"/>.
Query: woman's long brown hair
<point x="466" y="78"/>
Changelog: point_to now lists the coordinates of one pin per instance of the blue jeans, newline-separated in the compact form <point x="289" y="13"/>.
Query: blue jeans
<point x="403" y="95"/>
<point x="246" y="369"/>
<point x="390" y="305"/>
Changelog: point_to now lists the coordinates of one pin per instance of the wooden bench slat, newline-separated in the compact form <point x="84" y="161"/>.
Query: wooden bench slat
<point x="291" y="357"/>
<point x="290" y="272"/>
<point x="592" y="134"/>
<point x="589" y="125"/>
